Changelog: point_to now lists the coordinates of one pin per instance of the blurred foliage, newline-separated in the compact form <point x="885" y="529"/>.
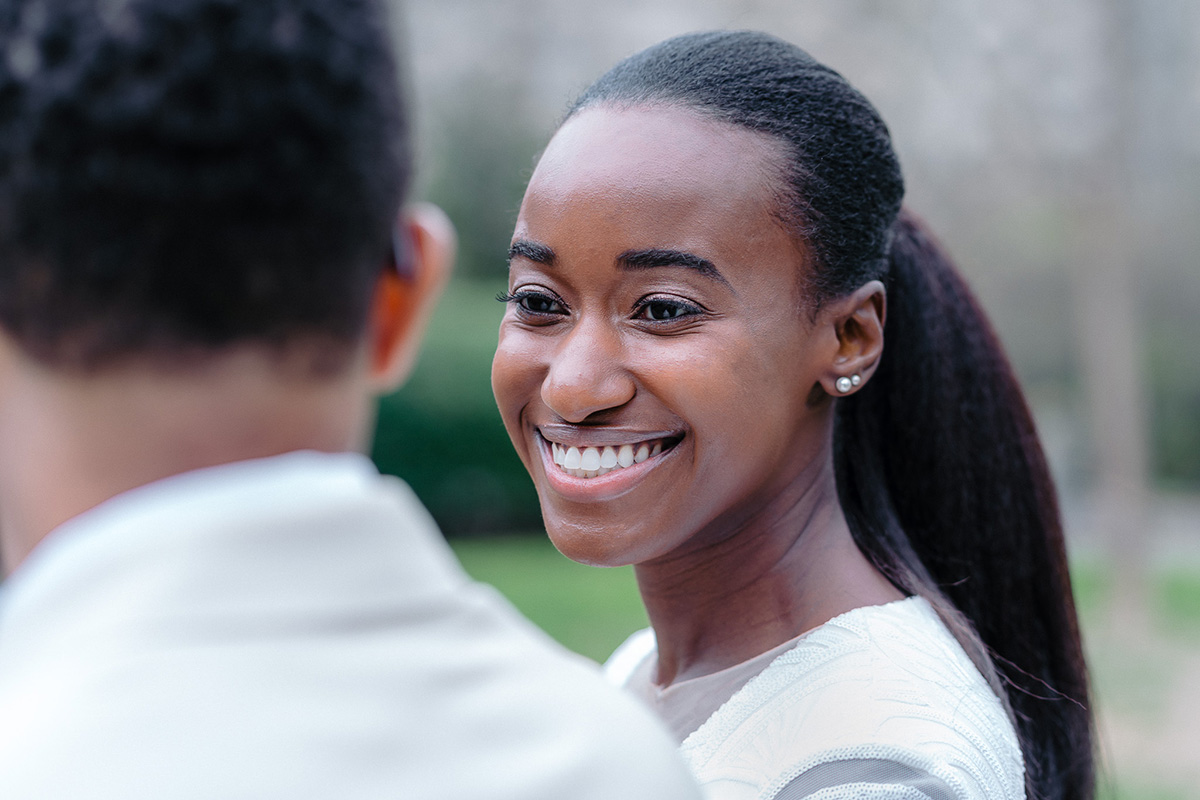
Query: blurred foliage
<point x="1176" y="434"/>
<point x="481" y="159"/>
<point x="1173" y="595"/>
<point x="1174" y="373"/>
<point x="1090" y="584"/>
<point x="1178" y="601"/>
<point x="442" y="433"/>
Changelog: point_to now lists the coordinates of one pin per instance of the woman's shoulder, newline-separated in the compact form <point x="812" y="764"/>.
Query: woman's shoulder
<point x="881" y="695"/>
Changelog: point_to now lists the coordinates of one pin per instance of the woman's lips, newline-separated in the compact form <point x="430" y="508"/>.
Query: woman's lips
<point x="587" y="471"/>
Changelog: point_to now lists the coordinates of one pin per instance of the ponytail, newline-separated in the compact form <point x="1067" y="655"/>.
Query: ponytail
<point x="946" y="490"/>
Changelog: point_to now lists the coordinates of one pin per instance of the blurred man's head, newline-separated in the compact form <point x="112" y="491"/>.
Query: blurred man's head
<point x="200" y="202"/>
<point x="178" y="177"/>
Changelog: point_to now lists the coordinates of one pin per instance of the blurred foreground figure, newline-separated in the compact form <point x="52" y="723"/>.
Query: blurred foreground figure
<point x="205" y="277"/>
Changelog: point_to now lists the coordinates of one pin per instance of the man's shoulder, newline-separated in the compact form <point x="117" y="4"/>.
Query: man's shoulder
<point x="541" y="705"/>
<point x="473" y="702"/>
<point x="275" y="660"/>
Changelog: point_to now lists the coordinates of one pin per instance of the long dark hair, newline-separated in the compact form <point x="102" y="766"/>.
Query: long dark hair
<point x="939" y="470"/>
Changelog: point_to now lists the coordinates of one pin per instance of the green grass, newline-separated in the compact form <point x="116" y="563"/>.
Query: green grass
<point x="1092" y="586"/>
<point x="1173" y="597"/>
<point x="1128" y="790"/>
<point x="588" y="609"/>
<point x="1178" y="600"/>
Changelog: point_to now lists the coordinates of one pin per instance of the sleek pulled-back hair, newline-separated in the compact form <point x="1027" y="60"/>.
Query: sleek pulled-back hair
<point x="842" y="185"/>
<point x="939" y="470"/>
<point x="178" y="177"/>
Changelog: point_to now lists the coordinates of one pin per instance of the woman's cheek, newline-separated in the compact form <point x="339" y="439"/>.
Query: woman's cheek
<point x="517" y="372"/>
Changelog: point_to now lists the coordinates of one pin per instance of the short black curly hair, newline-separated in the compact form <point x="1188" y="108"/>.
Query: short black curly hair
<point x="186" y="175"/>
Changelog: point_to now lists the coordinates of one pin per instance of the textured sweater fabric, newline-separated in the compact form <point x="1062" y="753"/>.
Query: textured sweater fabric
<point x="881" y="702"/>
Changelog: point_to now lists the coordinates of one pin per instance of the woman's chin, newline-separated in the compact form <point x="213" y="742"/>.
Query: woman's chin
<point x="596" y="548"/>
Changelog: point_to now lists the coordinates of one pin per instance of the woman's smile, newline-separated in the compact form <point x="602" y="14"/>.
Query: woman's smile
<point x="588" y="453"/>
<point x="599" y="471"/>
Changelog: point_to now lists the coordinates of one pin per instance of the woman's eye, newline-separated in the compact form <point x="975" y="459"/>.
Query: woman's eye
<point x="536" y="303"/>
<point x="663" y="310"/>
<point x="540" y="304"/>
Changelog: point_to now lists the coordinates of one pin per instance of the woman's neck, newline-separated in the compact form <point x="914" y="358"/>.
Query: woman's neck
<point x="762" y="580"/>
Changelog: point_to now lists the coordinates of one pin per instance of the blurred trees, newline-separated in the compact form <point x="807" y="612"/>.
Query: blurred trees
<point x="480" y="155"/>
<point x="1108" y="305"/>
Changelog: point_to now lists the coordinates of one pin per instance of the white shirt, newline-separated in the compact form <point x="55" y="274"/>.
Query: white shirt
<point x="881" y="703"/>
<point x="294" y="628"/>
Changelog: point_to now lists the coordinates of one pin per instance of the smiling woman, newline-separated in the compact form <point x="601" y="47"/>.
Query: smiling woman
<point x="629" y="344"/>
<point x="850" y="556"/>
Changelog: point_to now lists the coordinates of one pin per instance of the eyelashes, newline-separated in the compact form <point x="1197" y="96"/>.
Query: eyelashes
<point x="662" y="309"/>
<point x="540" y="306"/>
<point x="531" y="302"/>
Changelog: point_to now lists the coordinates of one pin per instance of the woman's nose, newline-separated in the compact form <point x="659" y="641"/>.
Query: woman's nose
<point x="587" y="375"/>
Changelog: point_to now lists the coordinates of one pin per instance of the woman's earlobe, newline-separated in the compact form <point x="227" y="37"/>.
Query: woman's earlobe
<point x="844" y="384"/>
<point x="859" y="326"/>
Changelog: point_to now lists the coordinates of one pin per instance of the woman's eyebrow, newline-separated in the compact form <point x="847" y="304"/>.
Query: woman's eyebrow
<point x="630" y="259"/>
<point x="658" y="257"/>
<point x="537" y="253"/>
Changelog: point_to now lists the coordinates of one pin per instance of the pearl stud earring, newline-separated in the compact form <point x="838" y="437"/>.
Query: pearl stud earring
<point x="845" y="384"/>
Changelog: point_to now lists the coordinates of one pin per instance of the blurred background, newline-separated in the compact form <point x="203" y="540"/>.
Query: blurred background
<point x="1055" y="147"/>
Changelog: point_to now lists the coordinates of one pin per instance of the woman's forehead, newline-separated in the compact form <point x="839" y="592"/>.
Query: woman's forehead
<point x="620" y="181"/>
<point x="655" y="150"/>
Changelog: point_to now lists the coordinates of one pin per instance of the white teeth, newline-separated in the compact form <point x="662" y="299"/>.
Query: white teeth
<point x="608" y="458"/>
<point x="625" y="455"/>
<point x="592" y="462"/>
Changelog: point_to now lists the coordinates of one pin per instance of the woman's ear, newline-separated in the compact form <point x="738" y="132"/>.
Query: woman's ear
<point x="858" y="320"/>
<point x="403" y="304"/>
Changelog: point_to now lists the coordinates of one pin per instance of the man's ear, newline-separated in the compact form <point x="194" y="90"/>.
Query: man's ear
<point x="402" y="306"/>
<point x="858" y="320"/>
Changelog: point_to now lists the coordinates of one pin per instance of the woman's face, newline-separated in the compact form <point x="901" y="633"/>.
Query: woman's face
<point x="655" y="366"/>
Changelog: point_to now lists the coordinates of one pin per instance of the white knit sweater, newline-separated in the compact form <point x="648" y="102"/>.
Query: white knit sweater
<point x="881" y="702"/>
